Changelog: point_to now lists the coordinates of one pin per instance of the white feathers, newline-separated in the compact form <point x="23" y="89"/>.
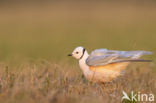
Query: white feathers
<point x="95" y="68"/>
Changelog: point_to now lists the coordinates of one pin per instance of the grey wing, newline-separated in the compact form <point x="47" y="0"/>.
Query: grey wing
<point x="103" y="56"/>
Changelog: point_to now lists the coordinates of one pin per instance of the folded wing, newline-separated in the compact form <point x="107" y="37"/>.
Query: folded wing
<point x="103" y="56"/>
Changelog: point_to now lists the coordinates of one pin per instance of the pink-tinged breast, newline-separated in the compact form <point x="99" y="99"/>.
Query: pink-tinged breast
<point x="113" y="66"/>
<point x="107" y="73"/>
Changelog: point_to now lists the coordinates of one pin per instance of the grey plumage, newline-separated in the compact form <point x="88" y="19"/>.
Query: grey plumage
<point x="103" y="56"/>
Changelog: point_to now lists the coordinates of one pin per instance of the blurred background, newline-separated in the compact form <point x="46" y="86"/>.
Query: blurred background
<point x="35" y="29"/>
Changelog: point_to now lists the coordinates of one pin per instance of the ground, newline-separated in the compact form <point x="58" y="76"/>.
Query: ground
<point x="54" y="83"/>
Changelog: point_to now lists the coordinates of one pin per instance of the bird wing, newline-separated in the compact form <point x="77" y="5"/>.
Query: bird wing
<point x="103" y="56"/>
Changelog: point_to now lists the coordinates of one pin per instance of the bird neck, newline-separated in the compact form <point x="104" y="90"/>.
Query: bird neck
<point x="85" y="56"/>
<point x="82" y="63"/>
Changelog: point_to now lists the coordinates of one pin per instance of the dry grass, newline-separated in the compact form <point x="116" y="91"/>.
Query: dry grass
<point x="47" y="82"/>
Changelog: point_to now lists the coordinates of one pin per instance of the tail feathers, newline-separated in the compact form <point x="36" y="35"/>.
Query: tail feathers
<point x="135" y="60"/>
<point x="138" y="60"/>
<point x="138" y="54"/>
<point x="146" y="52"/>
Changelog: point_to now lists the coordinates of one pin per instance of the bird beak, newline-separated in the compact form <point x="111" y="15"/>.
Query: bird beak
<point x="69" y="54"/>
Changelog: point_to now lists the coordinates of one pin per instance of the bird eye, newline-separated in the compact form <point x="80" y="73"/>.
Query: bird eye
<point x="77" y="52"/>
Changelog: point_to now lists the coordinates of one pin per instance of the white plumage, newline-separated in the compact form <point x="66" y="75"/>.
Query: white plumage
<point x="104" y="65"/>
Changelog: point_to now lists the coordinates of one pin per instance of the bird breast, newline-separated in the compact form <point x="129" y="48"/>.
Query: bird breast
<point x="106" y="73"/>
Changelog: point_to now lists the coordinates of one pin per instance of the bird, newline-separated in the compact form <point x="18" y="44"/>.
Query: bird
<point x="103" y="65"/>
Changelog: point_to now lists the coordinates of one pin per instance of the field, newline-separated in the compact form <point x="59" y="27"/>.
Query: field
<point x="35" y="39"/>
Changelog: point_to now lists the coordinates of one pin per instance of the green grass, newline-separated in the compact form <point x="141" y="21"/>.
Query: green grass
<point x="51" y="31"/>
<point x="35" y="41"/>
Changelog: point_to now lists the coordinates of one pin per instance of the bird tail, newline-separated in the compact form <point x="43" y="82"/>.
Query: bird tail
<point x="135" y="60"/>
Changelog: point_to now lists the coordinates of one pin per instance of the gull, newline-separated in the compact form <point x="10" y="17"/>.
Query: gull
<point x="104" y="65"/>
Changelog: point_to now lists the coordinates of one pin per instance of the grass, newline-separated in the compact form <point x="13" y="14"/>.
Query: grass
<point x="35" y="41"/>
<point x="48" y="82"/>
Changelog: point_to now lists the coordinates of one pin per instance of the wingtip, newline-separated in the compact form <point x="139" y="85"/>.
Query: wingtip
<point x="148" y="52"/>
